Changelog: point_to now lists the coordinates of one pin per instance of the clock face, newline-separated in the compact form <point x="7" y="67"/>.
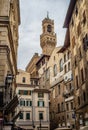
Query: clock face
<point x="49" y="28"/>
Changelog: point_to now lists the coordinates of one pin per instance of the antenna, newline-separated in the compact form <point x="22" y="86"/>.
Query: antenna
<point x="47" y="15"/>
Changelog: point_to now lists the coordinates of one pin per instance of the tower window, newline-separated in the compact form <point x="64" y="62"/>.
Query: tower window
<point x="49" y="28"/>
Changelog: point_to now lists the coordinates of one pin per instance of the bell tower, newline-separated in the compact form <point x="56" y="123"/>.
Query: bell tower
<point x="48" y="37"/>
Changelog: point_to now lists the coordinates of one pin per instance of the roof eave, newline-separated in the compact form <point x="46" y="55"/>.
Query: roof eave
<point x="69" y="13"/>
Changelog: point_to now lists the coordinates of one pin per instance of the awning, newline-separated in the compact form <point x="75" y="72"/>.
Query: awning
<point x="16" y="116"/>
<point x="11" y="105"/>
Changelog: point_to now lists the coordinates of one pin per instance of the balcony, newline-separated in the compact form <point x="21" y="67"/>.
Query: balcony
<point x="68" y="95"/>
<point x="68" y="76"/>
<point x="57" y="78"/>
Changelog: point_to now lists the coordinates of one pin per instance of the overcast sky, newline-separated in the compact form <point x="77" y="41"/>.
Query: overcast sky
<point x="32" y="13"/>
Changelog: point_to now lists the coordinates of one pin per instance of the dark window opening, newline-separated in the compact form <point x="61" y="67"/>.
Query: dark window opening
<point x="84" y="96"/>
<point x="82" y="75"/>
<point x="23" y="80"/>
<point x="77" y="83"/>
<point x="40" y="116"/>
<point x="78" y="100"/>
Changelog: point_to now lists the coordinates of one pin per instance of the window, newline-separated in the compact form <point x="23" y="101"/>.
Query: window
<point x="68" y="55"/>
<point x="84" y="18"/>
<point x="65" y="58"/>
<point x="41" y="103"/>
<point x="40" y="115"/>
<point x="72" y="105"/>
<point x="75" y="59"/>
<point x="29" y="92"/>
<point x="58" y="107"/>
<point x="67" y="116"/>
<point x="72" y="22"/>
<point x="28" y="103"/>
<point x="65" y="68"/>
<point x="85" y="42"/>
<point x="62" y="106"/>
<point x="69" y="66"/>
<point x="67" y="107"/>
<point x="62" y="117"/>
<point x="55" y="70"/>
<point x="49" y="28"/>
<point x="77" y="83"/>
<point x="47" y="73"/>
<point x="61" y="65"/>
<point x="20" y="92"/>
<point x="84" y="96"/>
<point x="1" y="99"/>
<point x="25" y="92"/>
<point x="82" y="75"/>
<point x="80" y="53"/>
<point x="21" y="116"/>
<point x="78" y="100"/>
<point x="22" y="102"/>
<point x="70" y="86"/>
<point x="73" y="42"/>
<point x="76" y="11"/>
<point x="79" y="29"/>
<point x="23" y="79"/>
<point x="28" y="116"/>
<point x="40" y="95"/>
<point x="59" y="91"/>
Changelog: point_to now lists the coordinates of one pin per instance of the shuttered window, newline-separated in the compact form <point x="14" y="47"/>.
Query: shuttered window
<point x="41" y="103"/>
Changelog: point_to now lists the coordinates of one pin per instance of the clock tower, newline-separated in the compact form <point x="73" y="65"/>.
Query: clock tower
<point x="48" y="37"/>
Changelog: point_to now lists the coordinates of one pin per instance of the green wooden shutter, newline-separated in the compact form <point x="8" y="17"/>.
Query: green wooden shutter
<point x="38" y="103"/>
<point x="30" y="103"/>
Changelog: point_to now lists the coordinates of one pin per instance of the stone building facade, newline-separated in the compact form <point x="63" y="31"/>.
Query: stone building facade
<point x="9" y="22"/>
<point x="33" y="104"/>
<point x="68" y="92"/>
<point x="77" y="22"/>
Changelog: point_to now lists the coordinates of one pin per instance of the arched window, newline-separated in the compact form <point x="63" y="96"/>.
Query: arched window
<point x="65" y="58"/>
<point x="69" y="66"/>
<point x="61" y="65"/>
<point x="49" y="28"/>
<point x="55" y="70"/>
<point x="65" y="69"/>
<point x="68" y="55"/>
